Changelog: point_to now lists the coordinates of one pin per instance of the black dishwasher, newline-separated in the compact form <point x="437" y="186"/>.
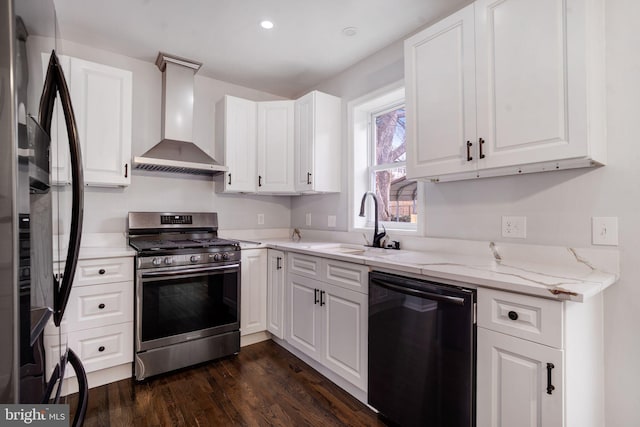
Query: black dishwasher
<point x="422" y="341"/>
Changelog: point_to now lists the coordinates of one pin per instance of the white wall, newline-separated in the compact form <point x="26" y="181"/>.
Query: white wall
<point x="558" y="205"/>
<point x="106" y="208"/>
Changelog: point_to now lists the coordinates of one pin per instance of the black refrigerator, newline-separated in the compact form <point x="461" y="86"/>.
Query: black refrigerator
<point x="34" y="102"/>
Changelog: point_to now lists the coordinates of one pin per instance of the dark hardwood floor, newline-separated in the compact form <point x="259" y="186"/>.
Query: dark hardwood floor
<point x="264" y="385"/>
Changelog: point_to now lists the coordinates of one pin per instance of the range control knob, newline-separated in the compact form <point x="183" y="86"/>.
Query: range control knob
<point x="156" y="261"/>
<point x="226" y="255"/>
<point x="194" y="258"/>
<point x="217" y="257"/>
<point x="168" y="260"/>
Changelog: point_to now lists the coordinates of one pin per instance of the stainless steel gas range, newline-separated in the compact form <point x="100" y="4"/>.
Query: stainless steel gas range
<point x="187" y="291"/>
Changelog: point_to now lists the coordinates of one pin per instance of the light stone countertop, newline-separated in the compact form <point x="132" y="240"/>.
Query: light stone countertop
<point x="550" y="272"/>
<point x="547" y="271"/>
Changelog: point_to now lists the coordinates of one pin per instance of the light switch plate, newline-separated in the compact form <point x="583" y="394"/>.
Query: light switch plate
<point x="604" y="230"/>
<point x="260" y="219"/>
<point x="308" y="219"/>
<point x="514" y="227"/>
<point x="331" y="221"/>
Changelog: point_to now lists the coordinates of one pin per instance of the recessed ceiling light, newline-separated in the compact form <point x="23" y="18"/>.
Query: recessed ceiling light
<point x="350" y="31"/>
<point x="267" y="25"/>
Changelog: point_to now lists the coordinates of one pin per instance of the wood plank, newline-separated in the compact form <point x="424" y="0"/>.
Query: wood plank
<point x="264" y="385"/>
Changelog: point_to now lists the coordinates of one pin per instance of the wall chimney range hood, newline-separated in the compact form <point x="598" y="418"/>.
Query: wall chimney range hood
<point x="176" y="152"/>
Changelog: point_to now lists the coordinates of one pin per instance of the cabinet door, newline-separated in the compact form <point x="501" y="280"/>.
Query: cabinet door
<point x="345" y="333"/>
<point x="102" y="100"/>
<point x="253" y="291"/>
<point x="512" y="379"/>
<point x="530" y="81"/>
<point x="59" y="152"/>
<point x="440" y="97"/>
<point x="275" y="147"/>
<point x="304" y="139"/>
<point x="304" y="323"/>
<point x="275" y="292"/>
<point x="240" y="118"/>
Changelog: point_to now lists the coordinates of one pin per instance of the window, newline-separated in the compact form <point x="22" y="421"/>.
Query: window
<point x="396" y="195"/>
<point x="378" y="160"/>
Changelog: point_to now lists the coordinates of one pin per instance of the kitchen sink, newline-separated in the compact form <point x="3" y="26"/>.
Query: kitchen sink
<point x="349" y="249"/>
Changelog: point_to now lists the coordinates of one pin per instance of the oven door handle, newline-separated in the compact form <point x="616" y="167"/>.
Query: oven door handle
<point x="181" y="272"/>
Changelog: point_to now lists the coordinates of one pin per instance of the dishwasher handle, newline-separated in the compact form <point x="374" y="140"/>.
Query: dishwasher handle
<point x="418" y="293"/>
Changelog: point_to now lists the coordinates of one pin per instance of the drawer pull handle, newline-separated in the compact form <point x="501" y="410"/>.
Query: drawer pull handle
<point x="101" y="348"/>
<point x="101" y="306"/>
<point x="513" y="315"/>
<point x="550" y="386"/>
<point x="469" y="145"/>
<point x="315" y="296"/>
<point x="102" y="271"/>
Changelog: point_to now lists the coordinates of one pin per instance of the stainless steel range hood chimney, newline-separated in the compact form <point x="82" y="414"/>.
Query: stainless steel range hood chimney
<point x="176" y="152"/>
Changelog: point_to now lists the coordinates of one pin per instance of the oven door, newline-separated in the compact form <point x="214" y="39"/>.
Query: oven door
<point x="185" y="303"/>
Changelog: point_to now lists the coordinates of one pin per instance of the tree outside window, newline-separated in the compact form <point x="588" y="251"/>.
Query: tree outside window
<point x="397" y="195"/>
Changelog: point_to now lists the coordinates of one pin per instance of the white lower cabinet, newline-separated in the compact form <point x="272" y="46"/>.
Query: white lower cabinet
<point x="253" y="291"/>
<point x="513" y="376"/>
<point x="276" y="274"/>
<point x="328" y="322"/>
<point x="98" y="321"/>
<point x="539" y="361"/>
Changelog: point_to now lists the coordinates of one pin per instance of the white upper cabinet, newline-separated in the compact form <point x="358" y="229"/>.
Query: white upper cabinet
<point x="318" y="143"/>
<point x="275" y="147"/>
<point x="440" y="96"/>
<point x="102" y="98"/>
<point x="507" y="87"/>
<point x="257" y="141"/>
<point x="237" y="121"/>
<point x="59" y="152"/>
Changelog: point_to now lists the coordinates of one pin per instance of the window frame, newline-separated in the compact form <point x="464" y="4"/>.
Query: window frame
<point x="361" y="179"/>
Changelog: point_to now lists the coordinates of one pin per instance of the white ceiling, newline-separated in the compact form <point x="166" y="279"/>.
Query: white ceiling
<point x="306" y="47"/>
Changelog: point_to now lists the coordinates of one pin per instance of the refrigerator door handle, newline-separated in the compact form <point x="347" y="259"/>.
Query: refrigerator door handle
<point x="83" y="387"/>
<point x="55" y="83"/>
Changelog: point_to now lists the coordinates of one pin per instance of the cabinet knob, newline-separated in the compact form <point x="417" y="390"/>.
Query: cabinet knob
<point x="513" y="315"/>
<point x="101" y="306"/>
<point x="102" y="271"/>
<point x="101" y="348"/>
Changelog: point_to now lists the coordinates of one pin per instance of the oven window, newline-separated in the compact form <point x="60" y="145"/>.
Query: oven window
<point x="181" y="305"/>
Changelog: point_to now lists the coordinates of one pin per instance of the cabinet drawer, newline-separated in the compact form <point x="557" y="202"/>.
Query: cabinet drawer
<point x="304" y="265"/>
<point x="535" y="319"/>
<point x="104" y="270"/>
<point x="346" y="275"/>
<point x="101" y="348"/>
<point x="99" y="305"/>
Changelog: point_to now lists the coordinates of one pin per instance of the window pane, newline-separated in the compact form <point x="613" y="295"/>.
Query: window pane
<point x="397" y="196"/>
<point x="390" y="137"/>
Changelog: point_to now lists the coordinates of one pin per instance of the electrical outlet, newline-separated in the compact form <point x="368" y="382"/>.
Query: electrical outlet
<point x="604" y="230"/>
<point x="308" y="219"/>
<point x="260" y="219"/>
<point x="331" y="221"/>
<point x="514" y="227"/>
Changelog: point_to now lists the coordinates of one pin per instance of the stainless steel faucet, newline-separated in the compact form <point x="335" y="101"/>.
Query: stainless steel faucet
<point x="377" y="237"/>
